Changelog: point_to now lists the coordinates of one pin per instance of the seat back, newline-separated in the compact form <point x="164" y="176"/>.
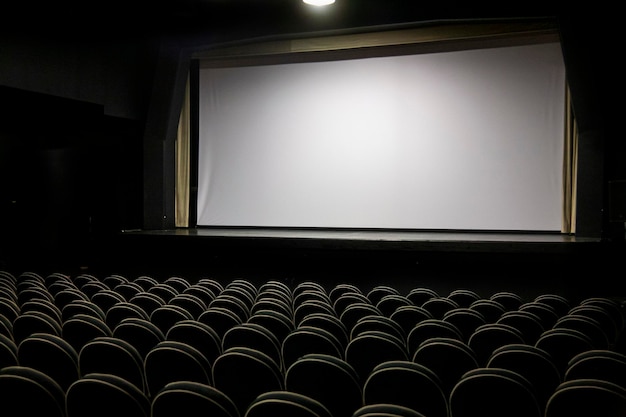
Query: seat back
<point x="407" y="384"/>
<point x="587" y="397"/>
<point x="105" y="395"/>
<point x="111" y="355"/>
<point x="448" y="358"/>
<point x="328" y="379"/>
<point x="493" y="392"/>
<point x="244" y="373"/>
<point x="30" y="392"/>
<point x="172" y="361"/>
<point x="286" y="404"/>
<point x="51" y="355"/>
<point x="191" y="399"/>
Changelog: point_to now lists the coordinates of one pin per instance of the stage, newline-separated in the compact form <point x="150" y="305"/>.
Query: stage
<point x="524" y="262"/>
<point x="377" y="240"/>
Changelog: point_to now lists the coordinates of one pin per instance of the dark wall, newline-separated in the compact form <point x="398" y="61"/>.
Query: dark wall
<point x="73" y="112"/>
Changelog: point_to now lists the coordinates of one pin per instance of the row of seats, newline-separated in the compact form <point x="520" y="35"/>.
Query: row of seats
<point x="242" y="348"/>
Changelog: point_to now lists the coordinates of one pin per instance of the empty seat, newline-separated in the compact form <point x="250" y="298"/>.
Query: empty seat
<point x="8" y="352"/>
<point x="279" y="324"/>
<point x="81" y="306"/>
<point x="559" y="303"/>
<point x="286" y="404"/>
<point x="68" y="295"/>
<point x="390" y="303"/>
<point x="194" y="305"/>
<point x="613" y="307"/>
<point x="356" y="311"/>
<point x="428" y="329"/>
<point x="545" y="312"/>
<point x="253" y="336"/>
<point x="52" y="355"/>
<point x="166" y="316"/>
<point x="533" y="364"/>
<point x="563" y="344"/>
<point x="465" y="319"/>
<point x="105" y="395"/>
<point x="341" y="289"/>
<point x="203" y="293"/>
<point x="310" y="293"/>
<point x="493" y="392"/>
<point x="587" y="397"/>
<point x="111" y="355"/>
<point x="464" y="297"/>
<point x="488" y="337"/>
<point x="386" y="410"/>
<point x="328" y="379"/>
<point x="268" y="302"/>
<point x="378" y="323"/>
<point x="128" y="289"/>
<point x="191" y="399"/>
<point x="369" y="349"/>
<point x="586" y="325"/>
<point x="145" y="282"/>
<point x="448" y="358"/>
<point x="408" y="316"/>
<point x="180" y="284"/>
<point x="408" y="384"/>
<point x="330" y="323"/>
<point x="509" y="300"/>
<point x="107" y="298"/>
<point x="491" y="310"/>
<point x="6" y="327"/>
<point x="164" y="291"/>
<point x="309" y="339"/>
<point x="244" y="373"/>
<point x="347" y="299"/>
<point x="378" y="292"/>
<point x="602" y="317"/>
<point x="232" y="304"/>
<point x="420" y="295"/>
<point x="147" y="301"/>
<point x="198" y="335"/>
<point x="438" y="306"/>
<point x="114" y="280"/>
<point x="32" y="322"/>
<point x="603" y="364"/>
<point x="171" y="361"/>
<point x="81" y="328"/>
<point x="528" y="324"/>
<point x="309" y="307"/>
<point x="220" y="319"/>
<point x="141" y="333"/>
<point x="44" y="306"/>
<point x="124" y="310"/>
<point x="30" y="392"/>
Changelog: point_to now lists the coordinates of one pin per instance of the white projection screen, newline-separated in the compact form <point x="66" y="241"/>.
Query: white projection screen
<point x="462" y="140"/>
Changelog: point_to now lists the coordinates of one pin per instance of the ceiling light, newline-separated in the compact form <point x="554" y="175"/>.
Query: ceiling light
<point x="319" y="2"/>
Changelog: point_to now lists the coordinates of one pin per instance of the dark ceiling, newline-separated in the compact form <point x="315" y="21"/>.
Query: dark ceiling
<point x="115" y="17"/>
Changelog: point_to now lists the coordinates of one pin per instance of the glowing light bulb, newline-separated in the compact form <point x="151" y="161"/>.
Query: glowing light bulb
<point x="319" y="2"/>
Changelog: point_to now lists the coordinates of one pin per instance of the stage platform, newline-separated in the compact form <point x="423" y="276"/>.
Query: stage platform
<point x="378" y="240"/>
<point x="525" y="262"/>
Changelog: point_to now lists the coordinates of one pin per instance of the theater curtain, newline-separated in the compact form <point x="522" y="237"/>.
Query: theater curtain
<point x="183" y="147"/>
<point x="570" y="168"/>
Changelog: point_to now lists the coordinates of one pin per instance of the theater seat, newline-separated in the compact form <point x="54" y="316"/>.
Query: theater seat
<point x="192" y="399"/>
<point x="105" y="395"/>
<point x="29" y="392"/>
<point x="286" y="404"/>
